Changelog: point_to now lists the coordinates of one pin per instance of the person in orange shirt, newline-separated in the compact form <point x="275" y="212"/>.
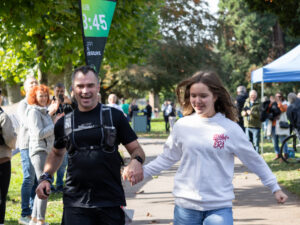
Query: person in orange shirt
<point x="278" y="134"/>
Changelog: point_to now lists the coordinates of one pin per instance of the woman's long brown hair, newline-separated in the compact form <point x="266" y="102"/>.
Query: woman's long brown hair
<point x="223" y="103"/>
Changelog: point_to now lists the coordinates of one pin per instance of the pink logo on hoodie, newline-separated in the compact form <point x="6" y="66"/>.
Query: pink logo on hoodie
<point x="220" y="140"/>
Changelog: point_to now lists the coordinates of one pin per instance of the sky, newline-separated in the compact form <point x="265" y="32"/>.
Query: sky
<point x="213" y="5"/>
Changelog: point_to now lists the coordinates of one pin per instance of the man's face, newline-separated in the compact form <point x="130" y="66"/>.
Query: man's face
<point x="30" y="82"/>
<point x="85" y="88"/>
<point x="253" y="96"/>
<point x="59" y="91"/>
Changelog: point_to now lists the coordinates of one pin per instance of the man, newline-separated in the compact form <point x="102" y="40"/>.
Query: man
<point x="7" y="143"/>
<point x="240" y="101"/>
<point x="148" y="113"/>
<point x="64" y="107"/>
<point x="93" y="193"/>
<point x="166" y="108"/>
<point x="63" y="101"/>
<point x="251" y="114"/>
<point x="27" y="188"/>
<point x="112" y="102"/>
<point x="293" y="112"/>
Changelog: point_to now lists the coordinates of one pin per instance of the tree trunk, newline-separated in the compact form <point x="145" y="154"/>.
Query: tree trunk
<point x="68" y="76"/>
<point x="151" y="99"/>
<point x="13" y="93"/>
<point x="278" y="43"/>
<point x="42" y="76"/>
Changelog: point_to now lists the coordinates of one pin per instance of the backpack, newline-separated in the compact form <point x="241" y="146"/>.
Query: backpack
<point x="264" y="114"/>
<point x="107" y="129"/>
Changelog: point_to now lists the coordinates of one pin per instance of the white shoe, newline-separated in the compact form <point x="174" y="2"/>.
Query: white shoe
<point x="32" y="222"/>
<point x="24" y="220"/>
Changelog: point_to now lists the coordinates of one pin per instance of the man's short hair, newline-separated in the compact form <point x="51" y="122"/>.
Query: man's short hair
<point x="59" y="85"/>
<point x="241" y="89"/>
<point x="84" y="70"/>
<point x="292" y="97"/>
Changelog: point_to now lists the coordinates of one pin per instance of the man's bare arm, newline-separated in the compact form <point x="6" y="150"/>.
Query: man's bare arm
<point x="54" y="160"/>
<point x="52" y="164"/>
<point x="134" y="171"/>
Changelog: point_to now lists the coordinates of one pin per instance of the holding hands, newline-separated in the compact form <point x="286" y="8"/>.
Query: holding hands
<point x="133" y="172"/>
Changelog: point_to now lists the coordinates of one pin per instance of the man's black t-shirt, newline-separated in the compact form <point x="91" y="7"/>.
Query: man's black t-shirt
<point x="93" y="176"/>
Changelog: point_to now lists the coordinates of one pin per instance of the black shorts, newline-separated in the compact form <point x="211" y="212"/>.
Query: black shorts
<point x="93" y="216"/>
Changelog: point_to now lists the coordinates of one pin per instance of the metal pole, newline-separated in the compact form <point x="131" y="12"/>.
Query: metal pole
<point x="262" y="133"/>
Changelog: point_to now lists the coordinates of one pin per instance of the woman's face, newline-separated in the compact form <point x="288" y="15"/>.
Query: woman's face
<point x="42" y="98"/>
<point x="202" y="100"/>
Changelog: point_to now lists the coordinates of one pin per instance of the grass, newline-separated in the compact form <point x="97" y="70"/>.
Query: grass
<point x="288" y="175"/>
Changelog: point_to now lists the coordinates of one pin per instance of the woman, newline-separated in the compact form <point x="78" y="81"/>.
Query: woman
<point x="279" y="133"/>
<point x="40" y="126"/>
<point x="206" y="141"/>
<point x="7" y="143"/>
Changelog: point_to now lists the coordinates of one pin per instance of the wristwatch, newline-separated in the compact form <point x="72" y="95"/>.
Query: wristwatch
<point x="138" y="158"/>
<point x="45" y="176"/>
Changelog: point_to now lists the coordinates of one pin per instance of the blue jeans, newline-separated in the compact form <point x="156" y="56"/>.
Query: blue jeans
<point x="61" y="172"/>
<point x="275" y="139"/>
<point x="184" y="216"/>
<point x="29" y="184"/>
<point x="253" y="135"/>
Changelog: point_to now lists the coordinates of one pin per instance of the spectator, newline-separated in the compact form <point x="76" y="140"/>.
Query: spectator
<point x="166" y="108"/>
<point x="65" y="107"/>
<point x="40" y="127"/>
<point x="293" y="112"/>
<point x="133" y="109"/>
<point x="29" y="180"/>
<point x="278" y="134"/>
<point x="125" y="108"/>
<point x="7" y="143"/>
<point x="240" y="101"/>
<point x="172" y="116"/>
<point x="148" y="113"/>
<point x="251" y="114"/>
<point x="112" y="102"/>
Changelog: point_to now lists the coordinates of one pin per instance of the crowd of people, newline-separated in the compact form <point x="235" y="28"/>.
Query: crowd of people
<point x="81" y="135"/>
<point x="270" y="114"/>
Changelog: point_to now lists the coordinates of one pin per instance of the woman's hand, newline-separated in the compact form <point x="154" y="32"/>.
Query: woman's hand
<point x="280" y="196"/>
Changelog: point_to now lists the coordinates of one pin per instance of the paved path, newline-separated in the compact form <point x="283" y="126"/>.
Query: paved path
<point x="153" y="202"/>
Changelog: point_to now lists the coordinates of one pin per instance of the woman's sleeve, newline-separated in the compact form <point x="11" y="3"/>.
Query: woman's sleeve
<point x="244" y="150"/>
<point x="8" y="132"/>
<point x="172" y="153"/>
<point x="36" y="126"/>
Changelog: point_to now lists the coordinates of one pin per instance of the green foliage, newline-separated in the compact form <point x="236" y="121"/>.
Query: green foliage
<point x="287" y="12"/>
<point x="245" y="39"/>
<point x="185" y="46"/>
<point x="54" y="30"/>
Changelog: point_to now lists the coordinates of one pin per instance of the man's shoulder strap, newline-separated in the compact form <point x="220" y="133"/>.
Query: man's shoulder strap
<point x="68" y="123"/>
<point x="107" y="116"/>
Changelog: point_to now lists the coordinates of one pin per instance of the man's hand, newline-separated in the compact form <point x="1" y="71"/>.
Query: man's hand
<point x="43" y="190"/>
<point x="280" y="196"/>
<point x="53" y="107"/>
<point x="133" y="172"/>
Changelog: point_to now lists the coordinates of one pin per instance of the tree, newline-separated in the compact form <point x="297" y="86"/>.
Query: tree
<point x="287" y="12"/>
<point x="54" y="29"/>
<point x="186" y="45"/>
<point x="245" y="39"/>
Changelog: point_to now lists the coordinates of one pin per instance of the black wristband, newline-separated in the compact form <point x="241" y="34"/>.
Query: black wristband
<point x="138" y="158"/>
<point x="45" y="176"/>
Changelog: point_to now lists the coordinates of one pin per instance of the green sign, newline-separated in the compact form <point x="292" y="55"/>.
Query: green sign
<point x="96" y="17"/>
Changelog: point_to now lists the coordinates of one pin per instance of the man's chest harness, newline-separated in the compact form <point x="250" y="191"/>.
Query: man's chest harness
<point x="108" y="132"/>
